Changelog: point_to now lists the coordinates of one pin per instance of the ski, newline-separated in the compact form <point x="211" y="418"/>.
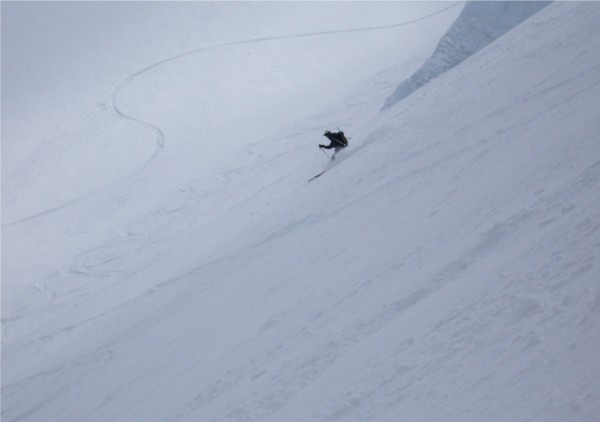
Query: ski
<point x="314" y="177"/>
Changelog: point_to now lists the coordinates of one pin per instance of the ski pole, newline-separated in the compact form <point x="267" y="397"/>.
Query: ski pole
<point x="324" y="153"/>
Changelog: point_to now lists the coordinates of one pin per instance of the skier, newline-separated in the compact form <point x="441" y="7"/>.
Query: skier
<point x="338" y="141"/>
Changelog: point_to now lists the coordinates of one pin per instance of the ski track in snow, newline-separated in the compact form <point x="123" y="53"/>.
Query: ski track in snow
<point x="103" y="193"/>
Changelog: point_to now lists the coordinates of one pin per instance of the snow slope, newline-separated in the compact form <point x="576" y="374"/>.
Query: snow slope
<point x="445" y="267"/>
<point x="196" y="84"/>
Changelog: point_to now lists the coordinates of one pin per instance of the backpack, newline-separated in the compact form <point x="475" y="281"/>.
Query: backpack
<point x="338" y="138"/>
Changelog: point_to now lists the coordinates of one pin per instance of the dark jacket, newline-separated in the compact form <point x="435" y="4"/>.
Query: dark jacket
<point x="338" y="140"/>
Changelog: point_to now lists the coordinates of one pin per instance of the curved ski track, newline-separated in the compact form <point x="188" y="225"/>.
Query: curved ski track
<point x="111" y="104"/>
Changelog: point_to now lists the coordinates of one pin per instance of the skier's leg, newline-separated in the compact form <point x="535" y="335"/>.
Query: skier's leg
<point x="335" y="152"/>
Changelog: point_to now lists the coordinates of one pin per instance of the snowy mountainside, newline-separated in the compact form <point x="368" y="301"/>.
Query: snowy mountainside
<point x="479" y="23"/>
<point x="445" y="268"/>
<point x="187" y="119"/>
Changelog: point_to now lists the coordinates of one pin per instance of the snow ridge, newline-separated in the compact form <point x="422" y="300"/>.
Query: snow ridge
<point x="480" y="23"/>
